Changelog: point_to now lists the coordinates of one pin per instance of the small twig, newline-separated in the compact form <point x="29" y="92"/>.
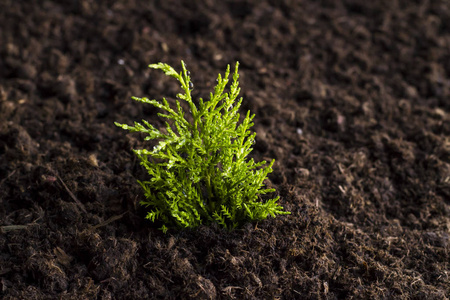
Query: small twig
<point x="7" y="177"/>
<point x="297" y="292"/>
<point x="7" y="228"/>
<point x="110" y="220"/>
<point x="81" y="205"/>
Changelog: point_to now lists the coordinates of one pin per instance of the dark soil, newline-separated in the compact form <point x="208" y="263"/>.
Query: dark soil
<point x="352" y="99"/>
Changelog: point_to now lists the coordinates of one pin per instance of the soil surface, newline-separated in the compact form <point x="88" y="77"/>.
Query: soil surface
<point x="352" y="100"/>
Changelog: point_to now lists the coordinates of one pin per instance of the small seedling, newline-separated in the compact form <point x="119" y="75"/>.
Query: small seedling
<point x="199" y="172"/>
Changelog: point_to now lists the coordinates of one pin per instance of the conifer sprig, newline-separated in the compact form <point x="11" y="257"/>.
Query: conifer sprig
<point x="199" y="172"/>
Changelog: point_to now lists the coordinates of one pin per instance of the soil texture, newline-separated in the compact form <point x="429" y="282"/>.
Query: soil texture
<point x="352" y="100"/>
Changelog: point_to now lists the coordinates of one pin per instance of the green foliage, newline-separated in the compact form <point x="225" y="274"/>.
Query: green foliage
<point x="199" y="171"/>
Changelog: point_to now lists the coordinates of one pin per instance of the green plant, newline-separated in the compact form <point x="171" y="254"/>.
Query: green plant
<point x="199" y="171"/>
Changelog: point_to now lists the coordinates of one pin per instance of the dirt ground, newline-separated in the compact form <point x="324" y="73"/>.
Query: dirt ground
<point x="352" y="100"/>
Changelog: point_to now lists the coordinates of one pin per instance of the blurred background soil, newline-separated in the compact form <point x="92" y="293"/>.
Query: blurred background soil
<point x="352" y="100"/>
